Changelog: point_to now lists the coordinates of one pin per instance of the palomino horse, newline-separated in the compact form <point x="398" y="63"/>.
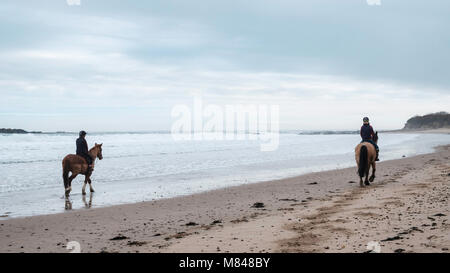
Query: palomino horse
<point x="365" y="155"/>
<point x="78" y="165"/>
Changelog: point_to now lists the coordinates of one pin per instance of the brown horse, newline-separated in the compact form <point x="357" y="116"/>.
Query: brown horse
<point x="78" y="165"/>
<point x="365" y="155"/>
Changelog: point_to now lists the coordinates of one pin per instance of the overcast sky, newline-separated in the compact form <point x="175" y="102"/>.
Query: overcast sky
<point x="123" y="65"/>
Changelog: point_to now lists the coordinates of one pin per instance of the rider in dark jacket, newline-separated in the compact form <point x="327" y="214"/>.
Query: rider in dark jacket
<point x="367" y="134"/>
<point x="82" y="149"/>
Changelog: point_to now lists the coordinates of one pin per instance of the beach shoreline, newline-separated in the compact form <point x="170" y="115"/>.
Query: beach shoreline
<point x="419" y="131"/>
<point x="167" y="225"/>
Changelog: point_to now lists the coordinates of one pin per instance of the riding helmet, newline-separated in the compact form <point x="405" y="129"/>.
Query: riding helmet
<point x="82" y="133"/>
<point x="365" y="119"/>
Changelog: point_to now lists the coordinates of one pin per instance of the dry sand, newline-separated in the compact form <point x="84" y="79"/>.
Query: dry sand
<point x="406" y="209"/>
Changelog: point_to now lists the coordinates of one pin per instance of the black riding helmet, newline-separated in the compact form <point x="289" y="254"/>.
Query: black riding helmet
<point x="82" y="133"/>
<point x="365" y="119"/>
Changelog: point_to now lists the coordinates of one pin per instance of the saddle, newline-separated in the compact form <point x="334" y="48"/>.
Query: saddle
<point x="368" y="141"/>
<point x="89" y="170"/>
<point x="374" y="146"/>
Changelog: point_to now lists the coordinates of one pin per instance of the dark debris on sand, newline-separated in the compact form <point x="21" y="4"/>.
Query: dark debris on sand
<point x="392" y="238"/>
<point x="288" y="199"/>
<point x="258" y="205"/>
<point x="119" y="237"/>
<point x="136" y="243"/>
<point x="439" y="215"/>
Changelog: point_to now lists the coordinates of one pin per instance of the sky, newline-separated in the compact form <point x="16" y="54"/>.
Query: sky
<point x="109" y="65"/>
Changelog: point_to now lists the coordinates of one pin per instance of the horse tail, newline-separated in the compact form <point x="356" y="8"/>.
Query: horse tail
<point x="363" y="161"/>
<point x="65" y="166"/>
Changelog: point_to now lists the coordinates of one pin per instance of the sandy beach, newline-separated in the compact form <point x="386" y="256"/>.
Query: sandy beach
<point x="406" y="209"/>
<point x="225" y="127"/>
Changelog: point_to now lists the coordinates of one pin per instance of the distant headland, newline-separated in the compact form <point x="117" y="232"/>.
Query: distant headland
<point x="16" y="131"/>
<point x="438" y="120"/>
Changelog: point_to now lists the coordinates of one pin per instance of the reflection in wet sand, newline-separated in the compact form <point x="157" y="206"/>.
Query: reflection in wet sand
<point x="68" y="205"/>
<point x="86" y="204"/>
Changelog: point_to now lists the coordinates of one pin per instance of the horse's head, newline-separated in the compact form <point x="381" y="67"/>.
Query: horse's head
<point x="375" y="137"/>
<point x="99" y="150"/>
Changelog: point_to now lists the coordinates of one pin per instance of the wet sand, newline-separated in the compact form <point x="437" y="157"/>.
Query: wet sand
<point x="422" y="131"/>
<point x="406" y="209"/>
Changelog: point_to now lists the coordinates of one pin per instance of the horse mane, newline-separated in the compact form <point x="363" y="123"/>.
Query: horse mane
<point x="91" y="150"/>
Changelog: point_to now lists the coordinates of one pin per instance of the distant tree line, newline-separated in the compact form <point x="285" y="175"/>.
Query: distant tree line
<point x="12" y="131"/>
<point x="430" y="121"/>
<point x="15" y="131"/>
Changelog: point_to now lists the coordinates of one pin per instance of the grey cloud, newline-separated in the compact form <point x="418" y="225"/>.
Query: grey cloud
<point x="131" y="54"/>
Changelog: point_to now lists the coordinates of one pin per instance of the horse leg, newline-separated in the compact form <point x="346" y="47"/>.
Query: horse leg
<point x="83" y="190"/>
<point x="361" y="184"/>
<point x="90" y="185"/>
<point x="366" y="182"/>
<point x="372" y="177"/>
<point x="66" y="179"/>
<point x="69" y="183"/>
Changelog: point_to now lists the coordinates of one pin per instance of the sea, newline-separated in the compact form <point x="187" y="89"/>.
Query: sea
<point x="148" y="166"/>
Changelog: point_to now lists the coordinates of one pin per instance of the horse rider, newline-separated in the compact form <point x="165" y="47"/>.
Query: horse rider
<point x="367" y="133"/>
<point x="82" y="149"/>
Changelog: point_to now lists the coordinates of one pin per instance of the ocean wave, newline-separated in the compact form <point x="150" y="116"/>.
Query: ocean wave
<point x="27" y="161"/>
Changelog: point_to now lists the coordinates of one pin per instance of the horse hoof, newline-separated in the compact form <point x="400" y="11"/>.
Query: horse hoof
<point x="83" y="193"/>
<point x="367" y="183"/>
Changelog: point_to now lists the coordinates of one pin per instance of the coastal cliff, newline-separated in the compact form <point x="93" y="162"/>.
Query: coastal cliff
<point x="431" y="121"/>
